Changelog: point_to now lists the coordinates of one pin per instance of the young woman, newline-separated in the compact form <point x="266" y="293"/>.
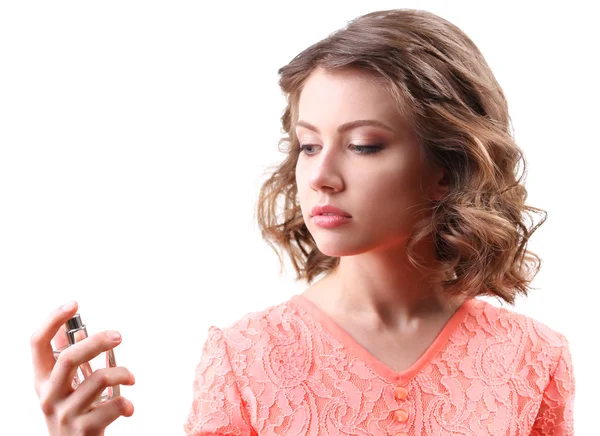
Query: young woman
<point x="398" y="203"/>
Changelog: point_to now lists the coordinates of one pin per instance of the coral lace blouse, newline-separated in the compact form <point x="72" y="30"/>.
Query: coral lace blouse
<point x="291" y="370"/>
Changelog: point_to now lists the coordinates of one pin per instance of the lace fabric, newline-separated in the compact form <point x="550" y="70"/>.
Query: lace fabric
<point x="290" y="370"/>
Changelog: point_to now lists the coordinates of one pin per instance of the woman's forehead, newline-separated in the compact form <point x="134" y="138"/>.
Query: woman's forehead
<point x="340" y="97"/>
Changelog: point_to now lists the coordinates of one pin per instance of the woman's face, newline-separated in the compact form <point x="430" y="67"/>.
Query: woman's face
<point x="371" y="172"/>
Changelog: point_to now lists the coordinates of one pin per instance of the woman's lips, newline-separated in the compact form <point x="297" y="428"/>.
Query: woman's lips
<point x="328" y="209"/>
<point x="330" y="221"/>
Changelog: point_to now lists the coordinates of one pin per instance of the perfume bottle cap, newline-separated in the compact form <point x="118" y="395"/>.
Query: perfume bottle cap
<point x="74" y="323"/>
<point x="75" y="329"/>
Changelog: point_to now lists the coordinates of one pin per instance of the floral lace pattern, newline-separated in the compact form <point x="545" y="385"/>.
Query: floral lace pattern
<point x="288" y="370"/>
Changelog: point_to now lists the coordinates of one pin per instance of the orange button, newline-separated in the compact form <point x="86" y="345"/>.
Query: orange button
<point x="401" y="392"/>
<point x="401" y="415"/>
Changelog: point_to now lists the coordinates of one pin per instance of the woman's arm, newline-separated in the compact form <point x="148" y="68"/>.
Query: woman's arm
<point x="217" y="406"/>
<point x="555" y="417"/>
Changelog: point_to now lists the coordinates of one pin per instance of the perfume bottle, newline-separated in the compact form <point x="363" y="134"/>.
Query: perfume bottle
<point x="76" y="331"/>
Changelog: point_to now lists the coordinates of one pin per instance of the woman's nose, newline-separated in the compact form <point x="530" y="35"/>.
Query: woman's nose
<point x="325" y="171"/>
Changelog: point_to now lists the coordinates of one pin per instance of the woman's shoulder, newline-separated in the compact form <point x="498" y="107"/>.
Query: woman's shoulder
<point x="260" y="325"/>
<point x="506" y="323"/>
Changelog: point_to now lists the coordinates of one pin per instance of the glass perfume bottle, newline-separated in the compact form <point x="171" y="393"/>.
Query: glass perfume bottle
<point x="76" y="331"/>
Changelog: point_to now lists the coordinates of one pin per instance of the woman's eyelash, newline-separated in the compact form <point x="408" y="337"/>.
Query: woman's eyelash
<point x="361" y="149"/>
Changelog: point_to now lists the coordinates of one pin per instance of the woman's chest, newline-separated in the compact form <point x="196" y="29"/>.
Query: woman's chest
<point x="343" y="396"/>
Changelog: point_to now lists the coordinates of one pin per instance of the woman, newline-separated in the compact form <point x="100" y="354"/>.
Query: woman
<point x="401" y="205"/>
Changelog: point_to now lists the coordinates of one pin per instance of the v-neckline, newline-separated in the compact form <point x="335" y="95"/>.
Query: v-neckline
<point x="381" y="368"/>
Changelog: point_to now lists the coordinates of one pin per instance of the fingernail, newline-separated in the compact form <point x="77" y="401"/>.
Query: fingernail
<point x="68" y="306"/>
<point x="115" y="336"/>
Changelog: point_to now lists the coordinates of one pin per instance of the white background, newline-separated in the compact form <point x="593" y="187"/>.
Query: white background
<point x="133" y="140"/>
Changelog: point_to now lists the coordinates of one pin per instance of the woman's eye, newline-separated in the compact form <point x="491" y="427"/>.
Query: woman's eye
<point x="368" y="149"/>
<point x="360" y="149"/>
<point x="305" y="148"/>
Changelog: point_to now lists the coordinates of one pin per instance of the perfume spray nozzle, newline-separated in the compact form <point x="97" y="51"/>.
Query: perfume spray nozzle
<point x="74" y="323"/>
<point x="73" y="327"/>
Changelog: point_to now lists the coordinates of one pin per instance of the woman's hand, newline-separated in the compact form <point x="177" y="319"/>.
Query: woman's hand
<point x="69" y="411"/>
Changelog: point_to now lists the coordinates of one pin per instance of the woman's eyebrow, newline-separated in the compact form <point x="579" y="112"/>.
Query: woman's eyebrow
<point x="349" y="125"/>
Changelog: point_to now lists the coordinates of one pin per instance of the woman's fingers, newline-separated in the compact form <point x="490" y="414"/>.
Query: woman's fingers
<point x="72" y="357"/>
<point x="95" y="421"/>
<point x="60" y="339"/>
<point x="41" y="348"/>
<point x="78" y="403"/>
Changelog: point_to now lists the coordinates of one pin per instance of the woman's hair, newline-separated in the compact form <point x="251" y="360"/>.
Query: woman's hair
<point x="446" y="90"/>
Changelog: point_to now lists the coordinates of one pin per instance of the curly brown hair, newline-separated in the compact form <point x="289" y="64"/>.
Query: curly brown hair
<point x="443" y="85"/>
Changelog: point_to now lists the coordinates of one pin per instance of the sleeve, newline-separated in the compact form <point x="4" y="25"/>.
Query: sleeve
<point x="217" y="407"/>
<point x="555" y="416"/>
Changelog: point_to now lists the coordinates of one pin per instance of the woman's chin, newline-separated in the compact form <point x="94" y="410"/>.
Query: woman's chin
<point x="339" y="248"/>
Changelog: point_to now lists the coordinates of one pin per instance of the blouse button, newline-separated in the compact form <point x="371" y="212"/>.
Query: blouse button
<point x="401" y="392"/>
<point x="401" y="415"/>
